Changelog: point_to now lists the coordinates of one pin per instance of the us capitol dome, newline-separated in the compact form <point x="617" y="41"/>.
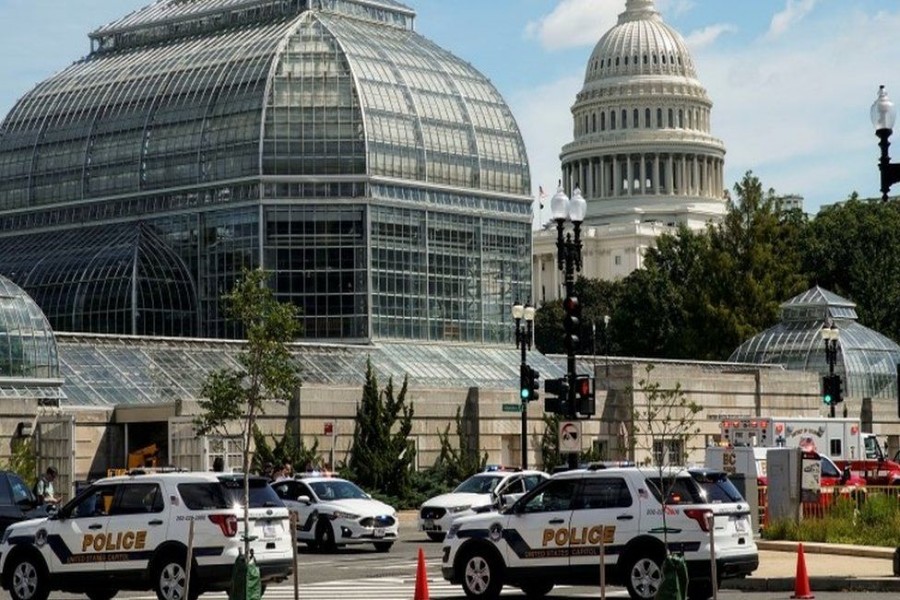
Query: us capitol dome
<point x="642" y="153"/>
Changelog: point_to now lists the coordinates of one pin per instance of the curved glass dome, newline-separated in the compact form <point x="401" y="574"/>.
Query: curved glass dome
<point x="188" y="92"/>
<point x="866" y="360"/>
<point x="27" y="343"/>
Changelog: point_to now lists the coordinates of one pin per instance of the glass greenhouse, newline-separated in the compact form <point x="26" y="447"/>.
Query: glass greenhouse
<point x="27" y="345"/>
<point x="866" y="360"/>
<point x="380" y="179"/>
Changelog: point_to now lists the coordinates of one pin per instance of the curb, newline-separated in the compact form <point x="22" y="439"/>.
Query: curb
<point x="835" y="549"/>
<point x="819" y="584"/>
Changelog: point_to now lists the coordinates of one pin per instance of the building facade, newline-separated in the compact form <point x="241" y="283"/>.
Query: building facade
<point x="381" y="180"/>
<point x="642" y="153"/>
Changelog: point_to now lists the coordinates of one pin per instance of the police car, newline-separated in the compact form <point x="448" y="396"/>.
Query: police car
<point x="333" y="512"/>
<point x="473" y="495"/>
<point x="552" y="535"/>
<point x="131" y="533"/>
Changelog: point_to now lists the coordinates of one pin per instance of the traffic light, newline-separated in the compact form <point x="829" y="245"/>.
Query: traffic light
<point x="584" y="395"/>
<point x="571" y="323"/>
<point x="557" y="400"/>
<point x="529" y="383"/>
<point x="832" y="392"/>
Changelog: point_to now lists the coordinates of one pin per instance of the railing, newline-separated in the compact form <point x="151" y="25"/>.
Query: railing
<point x="830" y="498"/>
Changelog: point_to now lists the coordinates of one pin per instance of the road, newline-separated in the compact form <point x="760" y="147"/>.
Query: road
<point x="360" y="573"/>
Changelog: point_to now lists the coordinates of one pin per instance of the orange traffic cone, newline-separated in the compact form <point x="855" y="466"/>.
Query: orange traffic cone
<point x="421" y="578"/>
<point x="801" y="583"/>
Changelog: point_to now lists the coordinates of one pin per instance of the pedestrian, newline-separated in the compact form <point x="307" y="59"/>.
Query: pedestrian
<point x="288" y="468"/>
<point x="278" y="472"/>
<point x="43" y="487"/>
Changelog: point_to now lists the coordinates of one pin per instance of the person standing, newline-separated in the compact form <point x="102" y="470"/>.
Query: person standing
<point x="43" y="488"/>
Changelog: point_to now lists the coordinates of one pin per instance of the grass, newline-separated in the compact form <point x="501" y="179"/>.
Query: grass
<point x="872" y="522"/>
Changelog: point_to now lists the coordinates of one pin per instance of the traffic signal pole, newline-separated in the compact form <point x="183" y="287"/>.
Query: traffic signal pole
<point x="569" y="259"/>
<point x="522" y="386"/>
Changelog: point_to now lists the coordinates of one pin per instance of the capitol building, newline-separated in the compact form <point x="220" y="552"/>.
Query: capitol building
<point x="642" y="154"/>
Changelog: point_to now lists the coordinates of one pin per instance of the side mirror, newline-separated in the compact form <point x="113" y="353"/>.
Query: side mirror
<point x="304" y="499"/>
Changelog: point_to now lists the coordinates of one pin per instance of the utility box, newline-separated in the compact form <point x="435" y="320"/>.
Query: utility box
<point x="794" y="478"/>
<point x="741" y="466"/>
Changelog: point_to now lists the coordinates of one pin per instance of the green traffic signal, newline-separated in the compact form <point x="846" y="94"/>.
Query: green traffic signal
<point x="827" y="399"/>
<point x="525" y="393"/>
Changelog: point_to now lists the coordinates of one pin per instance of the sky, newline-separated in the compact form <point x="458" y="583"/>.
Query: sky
<point x="791" y="80"/>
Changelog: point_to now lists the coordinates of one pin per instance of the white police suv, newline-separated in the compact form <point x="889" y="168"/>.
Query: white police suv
<point x="131" y="533"/>
<point x="476" y="493"/>
<point x="552" y="535"/>
<point x="334" y="512"/>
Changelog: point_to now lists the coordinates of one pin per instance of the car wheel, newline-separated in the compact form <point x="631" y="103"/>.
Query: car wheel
<point x="102" y="594"/>
<point x="482" y="576"/>
<point x="534" y="591"/>
<point x="436" y="537"/>
<point x="28" y="580"/>
<point x="325" y="536"/>
<point x="643" y="577"/>
<point x="169" y="579"/>
<point x="383" y="546"/>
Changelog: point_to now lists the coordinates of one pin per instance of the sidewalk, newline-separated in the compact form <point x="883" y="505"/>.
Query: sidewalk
<point x="830" y="567"/>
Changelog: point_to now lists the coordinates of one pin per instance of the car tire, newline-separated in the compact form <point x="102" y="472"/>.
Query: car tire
<point x="537" y="590"/>
<point x="325" y="536"/>
<point x="169" y="577"/>
<point x="436" y="537"/>
<point x="28" y="579"/>
<point x="643" y="577"/>
<point x="383" y="546"/>
<point x="101" y="594"/>
<point x="482" y="575"/>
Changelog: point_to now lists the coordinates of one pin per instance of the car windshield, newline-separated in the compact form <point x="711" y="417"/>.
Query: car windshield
<point x="337" y="489"/>
<point x="478" y="484"/>
<point x="716" y="487"/>
<point x="261" y="493"/>
<point x="829" y="469"/>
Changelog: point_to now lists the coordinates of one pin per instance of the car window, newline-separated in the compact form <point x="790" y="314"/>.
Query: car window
<point x="96" y="501"/>
<point x="287" y="490"/>
<point x="336" y="489"/>
<point x="556" y="495"/>
<point x="138" y="498"/>
<point x="204" y="495"/>
<point x="261" y="493"/>
<point x="679" y="490"/>
<point x="20" y="491"/>
<point x="829" y="469"/>
<point x="531" y="481"/>
<point x="478" y="484"/>
<point x="604" y="492"/>
<point x="514" y="485"/>
<point x="716" y="487"/>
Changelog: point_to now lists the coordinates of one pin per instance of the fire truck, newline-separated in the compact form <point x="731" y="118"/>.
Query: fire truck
<point x="842" y="440"/>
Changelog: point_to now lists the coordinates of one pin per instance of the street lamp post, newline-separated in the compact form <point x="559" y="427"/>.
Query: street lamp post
<point x="523" y="341"/>
<point x="606" y="343"/>
<point x="883" y="116"/>
<point x="568" y="246"/>
<point x="831" y="335"/>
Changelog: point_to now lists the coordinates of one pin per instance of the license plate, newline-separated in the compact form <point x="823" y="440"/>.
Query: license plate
<point x="428" y="525"/>
<point x="379" y="532"/>
<point x="269" y="531"/>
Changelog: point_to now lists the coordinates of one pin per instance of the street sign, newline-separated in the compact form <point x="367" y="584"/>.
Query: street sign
<point x="329" y="428"/>
<point x="512" y="408"/>
<point x="570" y="437"/>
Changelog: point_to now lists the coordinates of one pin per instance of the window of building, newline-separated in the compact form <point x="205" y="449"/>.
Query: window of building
<point x="618" y="260"/>
<point x="647" y="122"/>
<point x="624" y="119"/>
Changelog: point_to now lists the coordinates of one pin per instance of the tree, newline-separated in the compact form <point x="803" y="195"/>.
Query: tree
<point x="382" y="455"/>
<point x="598" y="298"/>
<point x="664" y="426"/>
<point x="288" y="448"/>
<point x="234" y="398"/>
<point x="463" y="461"/>
<point x="853" y="249"/>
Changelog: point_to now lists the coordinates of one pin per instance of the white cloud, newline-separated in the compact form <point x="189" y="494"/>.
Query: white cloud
<point x="574" y="23"/>
<point x="792" y="14"/>
<point x="708" y="35"/>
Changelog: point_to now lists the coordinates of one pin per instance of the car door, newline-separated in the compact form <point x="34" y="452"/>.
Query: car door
<point x="77" y="538"/>
<point x="136" y="527"/>
<point x="537" y="530"/>
<point x="10" y="511"/>
<point x="293" y="490"/>
<point x="606" y="511"/>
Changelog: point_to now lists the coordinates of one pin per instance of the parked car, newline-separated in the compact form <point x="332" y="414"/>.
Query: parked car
<point x="17" y="502"/>
<point x="551" y="535"/>
<point x="333" y="512"/>
<point x="474" y="495"/>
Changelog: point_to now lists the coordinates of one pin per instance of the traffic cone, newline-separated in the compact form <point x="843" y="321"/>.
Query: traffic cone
<point x="421" y="579"/>
<point x="801" y="583"/>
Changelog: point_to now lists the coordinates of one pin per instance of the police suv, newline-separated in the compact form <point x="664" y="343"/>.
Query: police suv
<point x="132" y="533"/>
<point x="553" y="534"/>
